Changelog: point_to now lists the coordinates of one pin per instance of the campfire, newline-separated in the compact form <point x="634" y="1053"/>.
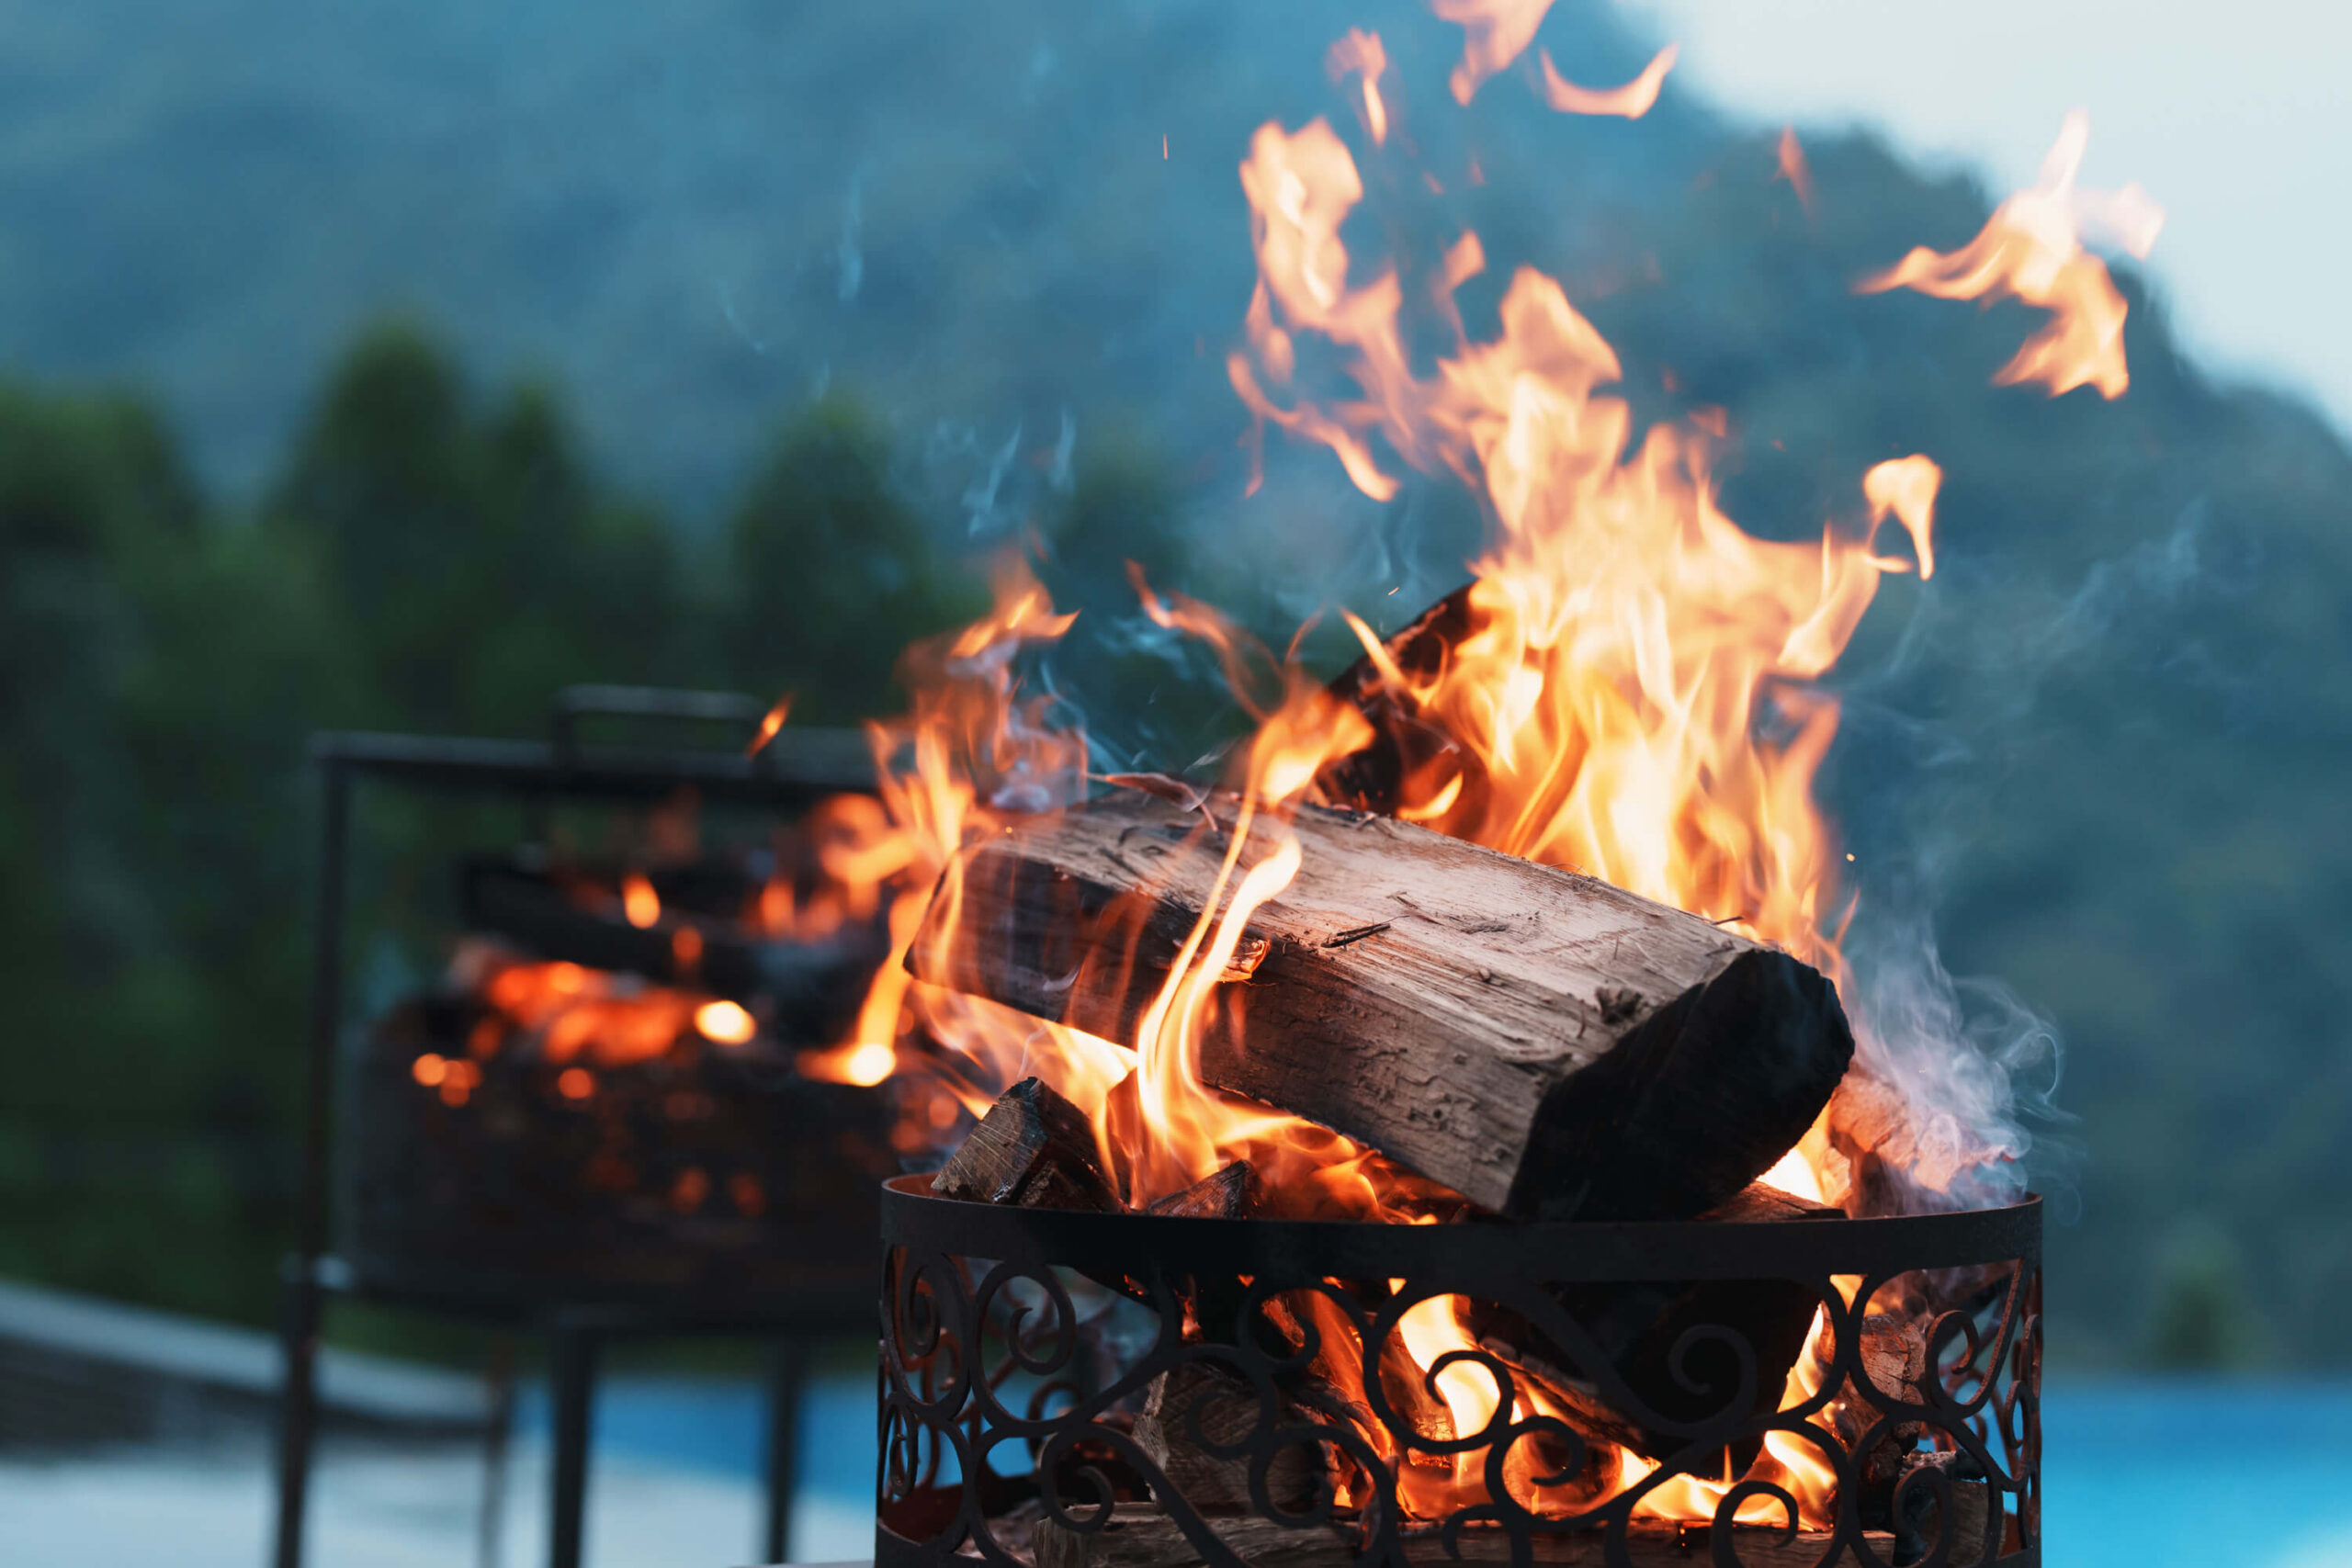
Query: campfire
<point x="1448" y="1125"/>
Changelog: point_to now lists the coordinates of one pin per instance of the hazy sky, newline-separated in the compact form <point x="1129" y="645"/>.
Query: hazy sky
<point x="2233" y="117"/>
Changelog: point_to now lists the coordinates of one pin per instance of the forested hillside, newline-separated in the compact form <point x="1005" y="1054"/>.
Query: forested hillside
<point x="743" y="332"/>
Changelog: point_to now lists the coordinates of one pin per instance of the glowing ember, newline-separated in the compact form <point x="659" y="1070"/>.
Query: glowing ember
<point x="771" y="726"/>
<point x="639" y="903"/>
<point x="2032" y="250"/>
<point x="725" y="1023"/>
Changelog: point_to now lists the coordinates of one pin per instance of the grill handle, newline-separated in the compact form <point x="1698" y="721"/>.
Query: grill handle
<point x="669" y="703"/>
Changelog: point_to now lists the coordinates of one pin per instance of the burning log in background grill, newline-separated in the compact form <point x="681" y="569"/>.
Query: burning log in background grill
<point x="615" y="1115"/>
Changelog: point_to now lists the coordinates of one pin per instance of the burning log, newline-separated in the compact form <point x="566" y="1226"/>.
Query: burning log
<point x="1895" y="1359"/>
<point x="1140" y="1535"/>
<point x="811" y="986"/>
<point x="1540" y="1042"/>
<point x="1198" y="1406"/>
<point x="1033" y="1150"/>
<point x="1639" y="1327"/>
<point x="1372" y="778"/>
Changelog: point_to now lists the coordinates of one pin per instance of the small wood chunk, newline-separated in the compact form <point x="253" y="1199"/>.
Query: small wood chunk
<point x="1033" y="1150"/>
<point x="1227" y="1194"/>
<point x="1199" y="1402"/>
<point x="1894" y="1360"/>
<point x="1977" y="1511"/>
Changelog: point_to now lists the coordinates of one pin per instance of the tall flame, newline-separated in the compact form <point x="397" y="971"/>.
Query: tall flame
<point x="1628" y="688"/>
<point x="2032" y="250"/>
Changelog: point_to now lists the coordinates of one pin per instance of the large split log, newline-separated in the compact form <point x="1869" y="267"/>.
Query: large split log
<point x="1541" y="1042"/>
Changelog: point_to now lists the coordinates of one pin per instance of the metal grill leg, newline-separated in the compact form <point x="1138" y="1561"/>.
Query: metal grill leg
<point x="297" y="1339"/>
<point x="787" y="1380"/>
<point x="497" y="1430"/>
<point x="573" y="1355"/>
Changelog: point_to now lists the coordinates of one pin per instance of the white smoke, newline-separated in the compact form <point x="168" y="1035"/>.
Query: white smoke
<point x="1950" y="1075"/>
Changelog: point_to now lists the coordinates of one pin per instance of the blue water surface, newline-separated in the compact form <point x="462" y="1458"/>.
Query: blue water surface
<point x="2136" y="1474"/>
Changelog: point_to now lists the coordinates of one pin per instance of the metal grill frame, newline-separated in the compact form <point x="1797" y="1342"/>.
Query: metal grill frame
<point x="951" y="1267"/>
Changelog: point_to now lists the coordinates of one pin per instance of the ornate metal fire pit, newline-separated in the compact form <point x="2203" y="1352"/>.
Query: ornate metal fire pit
<point x="1028" y="1413"/>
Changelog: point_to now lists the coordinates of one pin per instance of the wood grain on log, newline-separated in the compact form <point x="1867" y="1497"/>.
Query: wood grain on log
<point x="1227" y="1194"/>
<point x="1541" y="1042"/>
<point x="1197" y="1404"/>
<point x="1033" y="1150"/>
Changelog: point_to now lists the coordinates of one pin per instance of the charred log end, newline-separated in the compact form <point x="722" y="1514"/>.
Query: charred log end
<point x="1701" y="1097"/>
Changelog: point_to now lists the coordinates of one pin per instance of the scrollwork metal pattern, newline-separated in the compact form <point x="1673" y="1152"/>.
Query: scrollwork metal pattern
<point x="1009" y="1390"/>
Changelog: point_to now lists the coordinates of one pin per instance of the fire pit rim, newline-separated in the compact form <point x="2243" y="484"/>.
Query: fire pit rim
<point x="1562" y="1250"/>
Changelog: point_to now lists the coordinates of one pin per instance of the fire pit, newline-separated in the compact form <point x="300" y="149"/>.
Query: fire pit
<point x="1151" y="1390"/>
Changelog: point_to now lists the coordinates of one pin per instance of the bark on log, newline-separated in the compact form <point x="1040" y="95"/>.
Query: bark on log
<point x="1140" y="1535"/>
<point x="1033" y="1150"/>
<point x="1542" y="1043"/>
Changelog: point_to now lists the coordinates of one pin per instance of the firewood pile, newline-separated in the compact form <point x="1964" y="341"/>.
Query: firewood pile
<point x="1503" y="1041"/>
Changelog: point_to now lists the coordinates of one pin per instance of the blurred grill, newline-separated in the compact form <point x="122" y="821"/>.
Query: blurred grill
<point x="612" y="1116"/>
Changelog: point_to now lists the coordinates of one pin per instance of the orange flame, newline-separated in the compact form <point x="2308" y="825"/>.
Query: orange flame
<point x="1790" y="156"/>
<point x="1496" y="32"/>
<point x="1630" y="101"/>
<point x="2032" y="250"/>
<point x="1359" y="54"/>
<point x="771" y="726"/>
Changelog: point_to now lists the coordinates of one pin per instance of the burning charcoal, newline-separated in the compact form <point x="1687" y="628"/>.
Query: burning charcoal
<point x="1033" y="1150"/>
<point x="1226" y="1409"/>
<point x="1227" y="1194"/>
<point x="1918" y="1523"/>
<point x="1540" y="1042"/>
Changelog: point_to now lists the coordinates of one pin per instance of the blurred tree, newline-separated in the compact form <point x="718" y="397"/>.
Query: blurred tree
<point x="825" y="573"/>
<point x="470" y="557"/>
<point x="2203" y="1319"/>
